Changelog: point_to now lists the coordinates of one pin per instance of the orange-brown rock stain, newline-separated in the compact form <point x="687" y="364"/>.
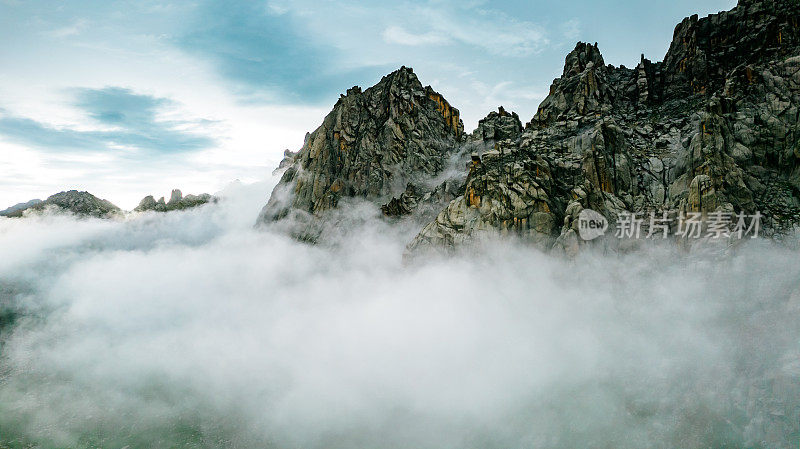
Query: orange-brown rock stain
<point x="542" y="206"/>
<point x="342" y="144"/>
<point x="337" y="186"/>
<point x="450" y="114"/>
<point x="605" y="185"/>
<point x="473" y="198"/>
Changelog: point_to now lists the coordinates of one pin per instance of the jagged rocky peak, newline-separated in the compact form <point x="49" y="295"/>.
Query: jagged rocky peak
<point x="705" y="50"/>
<point x="582" y="89"/>
<point x="705" y="54"/>
<point x="176" y="202"/>
<point x="498" y="125"/>
<point x="175" y="196"/>
<point x="584" y="56"/>
<point x="82" y="204"/>
<point x="714" y="129"/>
<point x="371" y="145"/>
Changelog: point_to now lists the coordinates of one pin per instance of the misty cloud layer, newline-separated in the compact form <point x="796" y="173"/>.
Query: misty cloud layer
<point x="194" y="329"/>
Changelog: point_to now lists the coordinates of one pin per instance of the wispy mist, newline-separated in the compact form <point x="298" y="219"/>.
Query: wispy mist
<point x="195" y="329"/>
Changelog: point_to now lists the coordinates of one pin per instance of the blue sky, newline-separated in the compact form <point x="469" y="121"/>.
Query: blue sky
<point x="131" y="116"/>
<point x="128" y="98"/>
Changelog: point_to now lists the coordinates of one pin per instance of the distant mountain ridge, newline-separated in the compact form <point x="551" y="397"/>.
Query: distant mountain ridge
<point x="19" y="207"/>
<point x="176" y="202"/>
<point x="84" y="204"/>
<point x="79" y="203"/>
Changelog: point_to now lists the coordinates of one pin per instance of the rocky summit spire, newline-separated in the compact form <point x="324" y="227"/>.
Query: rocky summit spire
<point x="582" y="89"/>
<point x="579" y="59"/>
<point x="498" y="126"/>
<point x="371" y="145"/>
<point x="712" y="130"/>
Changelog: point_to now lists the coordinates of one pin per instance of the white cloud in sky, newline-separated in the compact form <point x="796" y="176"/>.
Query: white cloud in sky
<point x="250" y="138"/>
<point x="398" y="35"/>
<point x="571" y="29"/>
<point x="473" y="25"/>
<point x="71" y="30"/>
<point x="490" y="30"/>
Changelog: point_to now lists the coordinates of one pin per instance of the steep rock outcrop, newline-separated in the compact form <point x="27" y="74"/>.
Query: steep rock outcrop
<point x="503" y="194"/>
<point x="372" y="145"/>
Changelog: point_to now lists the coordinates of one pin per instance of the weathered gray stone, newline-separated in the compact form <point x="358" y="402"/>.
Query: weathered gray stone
<point x="372" y="145"/>
<point x="496" y="126"/>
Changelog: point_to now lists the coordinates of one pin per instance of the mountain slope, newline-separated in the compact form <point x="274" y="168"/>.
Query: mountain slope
<point x="370" y="146"/>
<point x="72" y="201"/>
<point x="713" y="128"/>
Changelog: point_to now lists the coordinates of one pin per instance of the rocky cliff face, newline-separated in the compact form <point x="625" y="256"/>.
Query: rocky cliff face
<point x="73" y="201"/>
<point x="712" y="128"/>
<point x="372" y="145"/>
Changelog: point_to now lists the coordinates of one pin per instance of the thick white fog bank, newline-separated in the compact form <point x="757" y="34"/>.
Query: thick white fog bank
<point x="193" y="329"/>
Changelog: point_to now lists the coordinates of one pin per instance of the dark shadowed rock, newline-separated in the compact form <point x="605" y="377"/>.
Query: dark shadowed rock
<point x="404" y="205"/>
